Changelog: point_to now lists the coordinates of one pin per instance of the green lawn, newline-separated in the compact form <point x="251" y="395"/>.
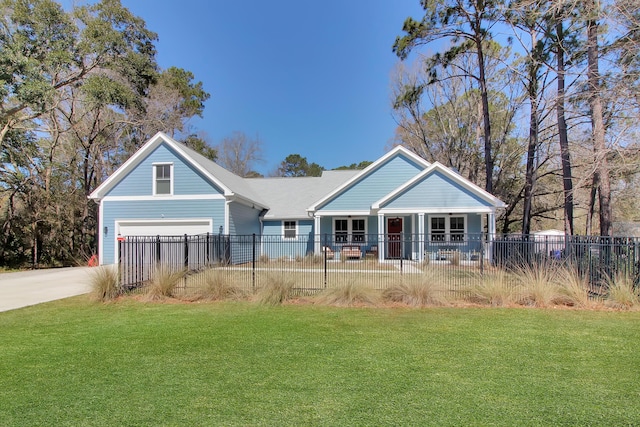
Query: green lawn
<point x="73" y="363"/>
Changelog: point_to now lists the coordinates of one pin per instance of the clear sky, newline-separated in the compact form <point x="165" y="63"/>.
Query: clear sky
<point x="307" y="77"/>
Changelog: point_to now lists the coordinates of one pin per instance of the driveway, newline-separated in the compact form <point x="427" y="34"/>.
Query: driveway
<point x="26" y="288"/>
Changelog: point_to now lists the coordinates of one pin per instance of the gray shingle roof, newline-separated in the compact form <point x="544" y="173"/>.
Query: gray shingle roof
<point x="285" y="198"/>
<point x="289" y="198"/>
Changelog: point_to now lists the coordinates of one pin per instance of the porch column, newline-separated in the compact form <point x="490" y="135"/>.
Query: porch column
<point x="317" y="237"/>
<point x="381" y="248"/>
<point x="491" y="229"/>
<point x="421" y="237"/>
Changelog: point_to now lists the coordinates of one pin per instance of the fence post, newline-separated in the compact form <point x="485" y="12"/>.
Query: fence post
<point x="207" y="250"/>
<point x="324" y="254"/>
<point x="157" y="249"/>
<point x="253" y="262"/>
<point x="186" y="252"/>
<point x="120" y="268"/>
<point x="482" y="243"/>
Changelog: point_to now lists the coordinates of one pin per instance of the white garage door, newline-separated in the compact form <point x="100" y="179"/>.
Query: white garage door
<point x="164" y="227"/>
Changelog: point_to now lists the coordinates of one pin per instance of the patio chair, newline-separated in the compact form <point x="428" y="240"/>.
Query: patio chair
<point x="351" y="252"/>
<point x="328" y="252"/>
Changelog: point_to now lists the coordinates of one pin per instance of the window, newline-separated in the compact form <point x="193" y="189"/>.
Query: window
<point x="357" y="230"/>
<point x="290" y="229"/>
<point x="447" y="228"/>
<point x="438" y="229"/>
<point x="456" y="228"/>
<point x="342" y="231"/>
<point x="162" y="184"/>
<point x="351" y="230"/>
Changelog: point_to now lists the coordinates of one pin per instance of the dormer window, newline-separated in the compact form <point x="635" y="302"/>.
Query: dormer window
<point x="162" y="179"/>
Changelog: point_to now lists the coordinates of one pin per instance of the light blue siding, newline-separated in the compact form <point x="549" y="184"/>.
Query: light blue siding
<point x="243" y="219"/>
<point x="436" y="190"/>
<point x="373" y="187"/>
<point x="154" y="209"/>
<point x="186" y="180"/>
<point x="243" y="222"/>
<point x="275" y="246"/>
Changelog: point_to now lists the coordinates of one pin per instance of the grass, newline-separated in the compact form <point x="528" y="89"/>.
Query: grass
<point x="104" y="283"/>
<point x="350" y="293"/>
<point x="163" y="283"/>
<point x="214" y="285"/>
<point x="539" y="285"/>
<point x="277" y="288"/>
<point x="427" y="291"/>
<point x="494" y="288"/>
<point x="622" y="292"/>
<point x="71" y="363"/>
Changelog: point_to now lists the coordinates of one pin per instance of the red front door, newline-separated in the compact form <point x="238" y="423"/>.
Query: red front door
<point x="394" y="237"/>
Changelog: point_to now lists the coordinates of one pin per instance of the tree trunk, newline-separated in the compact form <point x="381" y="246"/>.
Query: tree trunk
<point x="488" y="157"/>
<point x="597" y="122"/>
<point x="530" y="175"/>
<point x="567" y="180"/>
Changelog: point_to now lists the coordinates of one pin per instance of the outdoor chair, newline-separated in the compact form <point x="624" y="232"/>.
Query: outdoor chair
<point x="351" y="252"/>
<point x="328" y="252"/>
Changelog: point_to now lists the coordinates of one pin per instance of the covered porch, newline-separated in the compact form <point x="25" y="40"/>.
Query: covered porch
<point x="412" y="236"/>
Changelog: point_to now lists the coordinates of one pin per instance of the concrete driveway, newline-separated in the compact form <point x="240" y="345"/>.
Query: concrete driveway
<point x="26" y="288"/>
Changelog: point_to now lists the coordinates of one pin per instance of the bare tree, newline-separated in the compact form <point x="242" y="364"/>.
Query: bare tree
<point x="239" y="153"/>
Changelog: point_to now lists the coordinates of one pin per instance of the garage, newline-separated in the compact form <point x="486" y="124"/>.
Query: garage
<point x="164" y="227"/>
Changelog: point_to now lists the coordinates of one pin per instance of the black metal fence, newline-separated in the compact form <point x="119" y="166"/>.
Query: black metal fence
<point x="317" y="262"/>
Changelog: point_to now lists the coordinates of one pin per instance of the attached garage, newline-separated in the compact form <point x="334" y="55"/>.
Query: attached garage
<point x="164" y="227"/>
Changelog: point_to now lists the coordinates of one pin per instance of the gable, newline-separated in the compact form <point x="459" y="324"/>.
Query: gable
<point x="375" y="184"/>
<point x="436" y="189"/>
<point x="186" y="179"/>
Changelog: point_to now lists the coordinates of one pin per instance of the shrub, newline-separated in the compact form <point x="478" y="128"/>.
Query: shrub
<point x="349" y="294"/>
<point x="454" y="259"/>
<point x="104" y="283"/>
<point x="264" y="259"/>
<point x="163" y="283"/>
<point x="622" y="292"/>
<point x="426" y="262"/>
<point x="539" y="285"/>
<point x="574" y="287"/>
<point x="493" y="288"/>
<point x="217" y="287"/>
<point x="425" y="292"/>
<point x="277" y="289"/>
<point x="314" y="259"/>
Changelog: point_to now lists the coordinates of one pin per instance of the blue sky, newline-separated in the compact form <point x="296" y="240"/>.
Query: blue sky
<point x="307" y="77"/>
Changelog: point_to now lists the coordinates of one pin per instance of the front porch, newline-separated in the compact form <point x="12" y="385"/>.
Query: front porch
<point x="409" y="236"/>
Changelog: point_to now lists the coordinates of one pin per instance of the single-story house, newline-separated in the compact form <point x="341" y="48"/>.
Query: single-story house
<point x="401" y="206"/>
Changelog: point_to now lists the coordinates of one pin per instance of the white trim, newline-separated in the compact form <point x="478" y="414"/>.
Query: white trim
<point x="290" y="239"/>
<point x="101" y="233"/>
<point x="458" y="210"/>
<point x="490" y="198"/>
<point x="118" y="223"/>
<point x="166" y="197"/>
<point x="316" y="229"/>
<point x="227" y="217"/>
<point x="381" y="237"/>
<point x="343" y="213"/>
<point x="366" y="171"/>
<point x="154" y="179"/>
<point x="447" y="228"/>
